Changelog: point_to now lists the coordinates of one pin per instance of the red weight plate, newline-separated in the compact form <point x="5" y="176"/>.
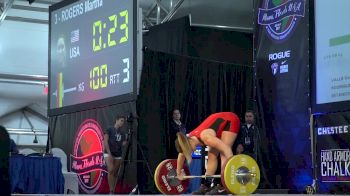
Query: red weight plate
<point x="170" y="186"/>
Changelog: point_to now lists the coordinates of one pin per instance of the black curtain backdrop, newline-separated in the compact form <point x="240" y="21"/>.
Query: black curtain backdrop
<point x="197" y="87"/>
<point x="178" y="37"/>
<point x="282" y="75"/>
<point x="63" y="130"/>
<point x="170" y="37"/>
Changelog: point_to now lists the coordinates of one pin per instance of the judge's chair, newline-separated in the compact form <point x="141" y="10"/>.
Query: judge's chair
<point x="70" y="178"/>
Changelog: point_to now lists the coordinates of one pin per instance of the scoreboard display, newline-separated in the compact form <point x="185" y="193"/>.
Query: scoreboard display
<point x="92" y="54"/>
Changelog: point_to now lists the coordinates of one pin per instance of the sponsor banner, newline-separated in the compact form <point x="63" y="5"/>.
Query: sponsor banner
<point x="334" y="165"/>
<point x="332" y="133"/>
<point x="281" y="59"/>
<point x="81" y="135"/>
<point x="87" y="159"/>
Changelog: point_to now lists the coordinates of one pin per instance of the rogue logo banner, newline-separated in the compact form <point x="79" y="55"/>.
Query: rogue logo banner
<point x="282" y="74"/>
<point x="280" y="17"/>
<point x="87" y="158"/>
<point x="279" y="60"/>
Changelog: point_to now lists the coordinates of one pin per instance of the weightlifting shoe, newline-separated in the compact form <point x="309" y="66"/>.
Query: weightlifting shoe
<point x="203" y="189"/>
<point x="217" y="190"/>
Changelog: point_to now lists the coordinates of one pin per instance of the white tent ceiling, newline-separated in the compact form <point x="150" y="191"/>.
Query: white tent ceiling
<point x="24" y="40"/>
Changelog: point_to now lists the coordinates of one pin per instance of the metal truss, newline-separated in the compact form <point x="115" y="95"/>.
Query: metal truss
<point x="158" y="13"/>
<point x="5" y="5"/>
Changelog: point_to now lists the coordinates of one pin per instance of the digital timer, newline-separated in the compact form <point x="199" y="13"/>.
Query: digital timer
<point x="98" y="28"/>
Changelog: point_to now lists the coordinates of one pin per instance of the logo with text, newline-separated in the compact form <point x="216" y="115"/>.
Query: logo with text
<point x="279" y="62"/>
<point x="87" y="158"/>
<point x="280" y="17"/>
<point x="334" y="165"/>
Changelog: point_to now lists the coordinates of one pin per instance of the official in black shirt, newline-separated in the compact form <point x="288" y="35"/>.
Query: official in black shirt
<point x="114" y="140"/>
<point x="175" y="125"/>
<point x="247" y="137"/>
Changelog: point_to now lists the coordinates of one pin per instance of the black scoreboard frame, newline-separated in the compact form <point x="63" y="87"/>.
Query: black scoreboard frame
<point x="100" y="102"/>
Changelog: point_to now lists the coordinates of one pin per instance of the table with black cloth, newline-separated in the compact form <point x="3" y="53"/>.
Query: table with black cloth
<point x="36" y="175"/>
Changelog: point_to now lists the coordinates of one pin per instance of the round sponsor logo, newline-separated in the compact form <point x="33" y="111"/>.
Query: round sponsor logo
<point x="279" y="17"/>
<point x="87" y="158"/>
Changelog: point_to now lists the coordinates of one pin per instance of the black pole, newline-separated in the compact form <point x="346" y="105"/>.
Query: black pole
<point x="130" y="120"/>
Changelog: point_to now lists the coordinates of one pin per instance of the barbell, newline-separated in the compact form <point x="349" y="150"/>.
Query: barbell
<point x="246" y="174"/>
<point x="202" y="176"/>
<point x="241" y="175"/>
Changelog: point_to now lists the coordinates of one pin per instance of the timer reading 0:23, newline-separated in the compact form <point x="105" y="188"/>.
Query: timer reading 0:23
<point x="97" y="41"/>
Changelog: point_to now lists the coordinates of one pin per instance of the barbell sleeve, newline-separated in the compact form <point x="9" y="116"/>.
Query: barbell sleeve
<point x="246" y="174"/>
<point x="213" y="176"/>
<point x="202" y="176"/>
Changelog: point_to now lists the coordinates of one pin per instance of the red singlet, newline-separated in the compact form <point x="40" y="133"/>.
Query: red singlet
<point x="222" y="121"/>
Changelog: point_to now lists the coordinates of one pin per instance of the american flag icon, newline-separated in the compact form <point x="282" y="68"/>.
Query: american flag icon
<point x="74" y="36"/>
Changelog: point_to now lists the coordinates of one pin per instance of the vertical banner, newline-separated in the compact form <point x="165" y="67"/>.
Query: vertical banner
<point x="333" y="154"/>
<point x="282" y="69"/>
<point x="81" y="136"/>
